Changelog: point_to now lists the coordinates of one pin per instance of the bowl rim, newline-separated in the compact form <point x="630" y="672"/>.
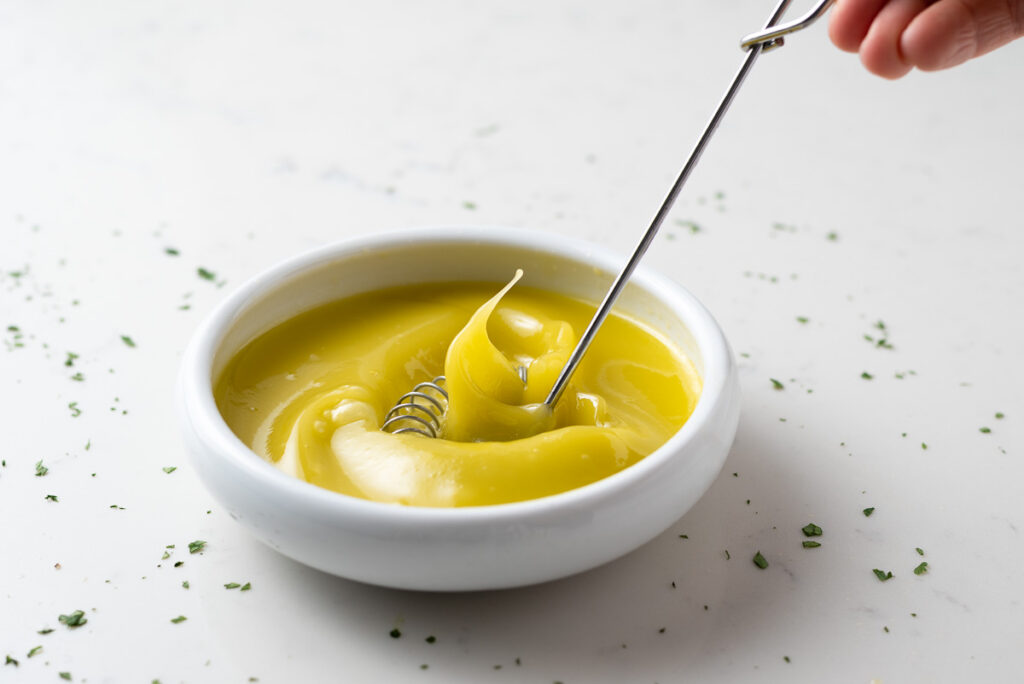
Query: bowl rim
<point x="199" y="415"/>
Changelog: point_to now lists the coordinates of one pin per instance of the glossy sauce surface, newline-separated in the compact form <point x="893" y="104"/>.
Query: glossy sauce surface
<point x="310" y="394"/>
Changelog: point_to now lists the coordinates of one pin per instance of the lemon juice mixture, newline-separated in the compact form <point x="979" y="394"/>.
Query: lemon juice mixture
<point x="311" y="394"/>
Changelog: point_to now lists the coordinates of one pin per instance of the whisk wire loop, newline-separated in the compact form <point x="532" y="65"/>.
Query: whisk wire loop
<point x="427" y="398"/>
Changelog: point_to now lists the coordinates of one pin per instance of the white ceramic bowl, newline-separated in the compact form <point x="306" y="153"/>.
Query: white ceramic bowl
<point x="483" y="547"/>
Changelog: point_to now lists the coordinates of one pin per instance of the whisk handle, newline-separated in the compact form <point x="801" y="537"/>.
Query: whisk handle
<point x="755" y="49"/>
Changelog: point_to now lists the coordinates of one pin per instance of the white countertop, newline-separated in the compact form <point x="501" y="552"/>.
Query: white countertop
<point x="241" y="133"/>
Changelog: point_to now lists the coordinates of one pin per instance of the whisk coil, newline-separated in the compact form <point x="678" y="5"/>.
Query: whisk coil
<point x="419" y="411"/>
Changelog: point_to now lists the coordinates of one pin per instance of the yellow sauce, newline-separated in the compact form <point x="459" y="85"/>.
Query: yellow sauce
<point x="310" y="395"/>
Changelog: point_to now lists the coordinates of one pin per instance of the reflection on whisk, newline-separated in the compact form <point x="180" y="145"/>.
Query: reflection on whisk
<point x="419" y="411"/>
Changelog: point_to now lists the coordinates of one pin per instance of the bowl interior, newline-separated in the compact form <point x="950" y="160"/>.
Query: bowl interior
<point x="305" y="283"/>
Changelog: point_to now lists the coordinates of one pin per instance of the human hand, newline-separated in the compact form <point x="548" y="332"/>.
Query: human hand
<point x="894" y="36"/>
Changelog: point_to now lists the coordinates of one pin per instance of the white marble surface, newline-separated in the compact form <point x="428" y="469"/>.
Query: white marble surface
<point x="238" y="133"/>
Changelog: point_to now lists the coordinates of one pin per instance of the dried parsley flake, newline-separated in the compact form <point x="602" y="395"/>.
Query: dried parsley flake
<point x="811" y="530"/>
<point x="75" y="619"/>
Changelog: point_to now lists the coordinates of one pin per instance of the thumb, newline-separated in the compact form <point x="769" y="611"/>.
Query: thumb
<point x="950" y="32"/>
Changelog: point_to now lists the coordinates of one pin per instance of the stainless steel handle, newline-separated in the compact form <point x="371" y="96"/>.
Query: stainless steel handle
<point x="771" y="36"/>
<point x="766" y="39"/>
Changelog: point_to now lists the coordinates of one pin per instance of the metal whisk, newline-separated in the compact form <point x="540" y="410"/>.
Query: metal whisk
<point x="422" y="417"/>
<point x="421" y="409"/>
<point x="407" y="409"/>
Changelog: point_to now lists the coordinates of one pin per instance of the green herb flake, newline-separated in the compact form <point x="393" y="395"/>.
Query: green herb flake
<point x="128" y="340"/>
<point x="44" y="631"/>
<point x="760" y="560"/>
<point x="246" y="587"/>
<point x="920" y="551"/>
<point x="178" y="564"/>
<point x="169" y="469"/>
<point x="74" y="619"/>
<point x="75" y="411"/>
<point x="78" y="377"/>
<point x="999" y="415"/>
<point x="924" y="446"/>
<point x="196" y="546"/>
<point x="469" y="205"/>
<point x="811" y="530"/>
<point x="882" y="575"/>
<point x="34" y="651"/>
<point x="684" y="536"/>
<point x="185" y="584"/>
<point x="689" y="225"/>
<point x="867" y="376"/>
<point x="431" y="639"/>
<point x="811" y="544"/>
<point x="984" y="430"/>
<point x="41" y="469"/>
<point x="776" y="384"/>
<point x="232" y="585"/>
<point x="179" y="619"/>
<point x="51" y="497"/>
<point x="64" y="675"/>
<point x="922" y="568"/>
<point x="10" y="661"/>
<point x="786" y="658"/>
<point x="803" y="319"/>
<point x="171" y="251"/>
<point x="395" y="633"/>
<point x="70" y="361"/>
<point x="205" y="274"/>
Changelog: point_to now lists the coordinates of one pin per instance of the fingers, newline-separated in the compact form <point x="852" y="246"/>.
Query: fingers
<point x="951" y="32"/>
<point x="894" y="36"/>
<point x="880" y="50"/>
<point x="850" y="21"/>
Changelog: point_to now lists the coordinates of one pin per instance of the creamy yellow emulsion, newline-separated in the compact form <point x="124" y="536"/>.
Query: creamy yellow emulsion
<point x="310" y="395"/>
